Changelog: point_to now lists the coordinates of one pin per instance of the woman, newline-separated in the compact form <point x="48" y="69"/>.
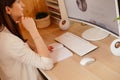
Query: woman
<point x="17" y="60"/>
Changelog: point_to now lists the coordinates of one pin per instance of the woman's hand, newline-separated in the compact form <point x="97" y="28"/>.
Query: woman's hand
<point x="28" y="24"/>
<point x="50" y="48"/>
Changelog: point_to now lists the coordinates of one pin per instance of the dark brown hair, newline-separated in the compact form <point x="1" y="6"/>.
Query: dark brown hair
<point x="6" y="20"/>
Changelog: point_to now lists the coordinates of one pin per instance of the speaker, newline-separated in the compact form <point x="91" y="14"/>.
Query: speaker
<point x="64" y="24"/>
<point x="115" y="47"/>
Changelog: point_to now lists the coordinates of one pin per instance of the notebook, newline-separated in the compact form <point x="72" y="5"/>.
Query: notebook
<point x="59" y="52"/>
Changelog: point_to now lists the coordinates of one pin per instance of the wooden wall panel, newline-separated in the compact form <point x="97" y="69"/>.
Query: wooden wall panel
<point x="34" y="6"/>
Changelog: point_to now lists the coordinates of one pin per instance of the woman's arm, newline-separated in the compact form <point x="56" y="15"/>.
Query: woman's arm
<point x="30" y="26"/>
<point x="20" y="51"/>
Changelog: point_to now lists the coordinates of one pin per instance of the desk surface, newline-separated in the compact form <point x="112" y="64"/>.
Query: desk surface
<point x="106" y="67"/>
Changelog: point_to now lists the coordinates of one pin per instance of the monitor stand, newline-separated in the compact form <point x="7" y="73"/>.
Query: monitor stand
<point x="94" y="34"/>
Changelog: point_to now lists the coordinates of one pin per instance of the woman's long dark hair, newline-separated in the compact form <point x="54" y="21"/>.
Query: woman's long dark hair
<point x="6" y="20"/>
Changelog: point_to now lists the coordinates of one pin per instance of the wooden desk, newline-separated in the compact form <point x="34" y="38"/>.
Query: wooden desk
<point x="106" y="67"/>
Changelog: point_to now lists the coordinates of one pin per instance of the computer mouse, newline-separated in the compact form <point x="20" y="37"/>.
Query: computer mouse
<point x="87" y="60"/>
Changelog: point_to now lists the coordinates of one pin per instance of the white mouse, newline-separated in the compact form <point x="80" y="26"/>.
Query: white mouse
<point x="87" y="60"/>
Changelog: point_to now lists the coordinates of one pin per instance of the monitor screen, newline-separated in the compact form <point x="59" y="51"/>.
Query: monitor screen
<point x="101" y="13"/>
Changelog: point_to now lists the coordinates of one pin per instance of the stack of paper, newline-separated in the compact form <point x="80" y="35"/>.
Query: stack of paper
<point x="59" y="52"/>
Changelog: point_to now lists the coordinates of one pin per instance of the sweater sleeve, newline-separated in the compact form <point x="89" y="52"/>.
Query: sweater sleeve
<point x="21" y="52"/>
<point x="27" y="56"/>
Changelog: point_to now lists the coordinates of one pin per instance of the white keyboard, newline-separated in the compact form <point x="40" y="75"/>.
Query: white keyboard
<point x="75" y="43"/>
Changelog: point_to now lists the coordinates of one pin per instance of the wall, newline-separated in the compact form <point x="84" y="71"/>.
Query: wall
<point x="33" y="6"/>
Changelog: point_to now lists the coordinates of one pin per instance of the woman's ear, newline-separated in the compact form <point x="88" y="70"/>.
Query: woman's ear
<point x="8" y="10"/>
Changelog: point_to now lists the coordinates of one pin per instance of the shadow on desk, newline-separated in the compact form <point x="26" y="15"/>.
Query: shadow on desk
<point x="41" y="74"/>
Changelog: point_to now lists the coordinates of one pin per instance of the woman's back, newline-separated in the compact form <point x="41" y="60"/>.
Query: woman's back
<point x="11" y="68"/>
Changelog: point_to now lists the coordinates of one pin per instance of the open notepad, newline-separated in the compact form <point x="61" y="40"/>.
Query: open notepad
<point x="59" y="52"/>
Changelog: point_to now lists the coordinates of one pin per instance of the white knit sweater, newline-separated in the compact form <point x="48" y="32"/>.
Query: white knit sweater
<point x="18" y="61"/>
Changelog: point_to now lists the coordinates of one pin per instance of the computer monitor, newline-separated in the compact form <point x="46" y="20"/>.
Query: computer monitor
<point x="101" y="14"/>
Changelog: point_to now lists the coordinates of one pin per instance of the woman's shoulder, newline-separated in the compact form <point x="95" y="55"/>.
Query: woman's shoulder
<point x="11" y="41"/>
<point x="6" y="35"/>
<point x="9" y="37"/>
